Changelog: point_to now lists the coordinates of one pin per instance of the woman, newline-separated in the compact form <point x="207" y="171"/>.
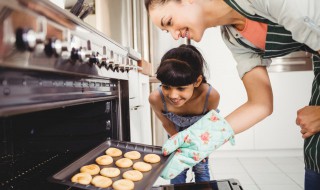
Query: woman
<point x="255" y="31"/>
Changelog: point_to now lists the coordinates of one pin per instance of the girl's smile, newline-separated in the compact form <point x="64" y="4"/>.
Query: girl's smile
<point x="175" y="101"/>
<point x="178" y="95"/>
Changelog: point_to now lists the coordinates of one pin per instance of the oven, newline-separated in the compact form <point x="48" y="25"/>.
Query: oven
<point x="64" y="91"/>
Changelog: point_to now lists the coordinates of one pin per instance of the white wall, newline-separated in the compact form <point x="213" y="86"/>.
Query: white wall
<point x="291" y="92"/>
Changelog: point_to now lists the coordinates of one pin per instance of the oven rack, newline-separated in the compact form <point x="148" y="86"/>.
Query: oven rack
<point x="19" y="175"/>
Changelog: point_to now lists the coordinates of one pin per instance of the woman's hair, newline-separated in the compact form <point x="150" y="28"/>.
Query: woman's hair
<point x="151" y="3"/>
<point x="181" y="66"/>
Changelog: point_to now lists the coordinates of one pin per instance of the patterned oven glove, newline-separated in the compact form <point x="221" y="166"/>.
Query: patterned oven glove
<point x="194" y="144"/>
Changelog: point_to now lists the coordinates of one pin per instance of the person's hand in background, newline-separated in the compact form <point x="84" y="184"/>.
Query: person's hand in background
<point x="308" y="118"/>
<point x="194" y="144"/>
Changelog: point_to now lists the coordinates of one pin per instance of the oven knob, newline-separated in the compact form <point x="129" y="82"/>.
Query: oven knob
<point x="110" y="63"/>
<point x="127" y="65"/>
<point x="122" y="68"/>
<point x="25" y="39"/>
<point x="93" y="59"/>
<point x="65" y="54"/>
<point x="74" y="54"/>
<point x="104" y="62"/>
<point x="52" y="47"/>
<point x="116" y="64"/>
<point x="122" y="64"/>
<point x="77" y="54"/>
<point x="82" y="54"/>
<point x="99" y="61"/>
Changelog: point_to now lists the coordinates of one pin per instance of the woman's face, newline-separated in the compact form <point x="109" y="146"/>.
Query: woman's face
<point x="177" y="95"/>
<point x="181" y="19"/>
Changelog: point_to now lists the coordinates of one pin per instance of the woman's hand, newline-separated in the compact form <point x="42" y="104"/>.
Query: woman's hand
<point x="308" y="118"/>
<point x="194" y="144"/>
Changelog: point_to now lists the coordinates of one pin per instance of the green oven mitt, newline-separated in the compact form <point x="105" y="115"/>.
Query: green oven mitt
<point x="195" y="143"/>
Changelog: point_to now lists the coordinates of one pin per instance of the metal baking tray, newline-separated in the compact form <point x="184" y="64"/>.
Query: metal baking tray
<point x="64" y="176"/>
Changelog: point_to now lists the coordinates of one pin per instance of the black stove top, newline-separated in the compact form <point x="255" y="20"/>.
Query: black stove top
<point x="225" y="184"/>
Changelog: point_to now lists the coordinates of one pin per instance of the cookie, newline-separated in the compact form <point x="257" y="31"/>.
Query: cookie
<point x="82" y="178"/>
<point x="114" y="152"/>
<point x="142" y="166"/>
<point x="152" y="158"/>
<point x="133" y="155"/>
<point x="133" y="175"/>
<point x="123" y="184"/>
<point x="110" y="172"/>
<point x="124" y="163"/>
<point x="104" y="160"/>
<point x="91" y="169"/>
<point x="101" y="181"/>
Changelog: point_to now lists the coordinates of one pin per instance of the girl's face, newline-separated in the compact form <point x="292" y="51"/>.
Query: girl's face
<point x="177" y="95"/>
<point x="181" y="19"/>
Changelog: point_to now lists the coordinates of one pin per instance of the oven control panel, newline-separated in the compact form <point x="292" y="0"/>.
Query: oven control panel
<point x="38" y="35"/>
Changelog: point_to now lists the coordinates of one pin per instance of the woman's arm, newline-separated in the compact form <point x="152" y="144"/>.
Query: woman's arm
<point x="156" y="105"/>
<point x="259" y="104"/>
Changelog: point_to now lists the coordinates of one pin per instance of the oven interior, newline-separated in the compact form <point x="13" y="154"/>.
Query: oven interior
<point x="36" y="145"/>
<point x="48" y="120"/>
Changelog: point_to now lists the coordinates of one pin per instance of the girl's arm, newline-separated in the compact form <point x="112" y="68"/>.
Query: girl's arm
<point x="259" y="104"/>
<point x="156" y="105"/>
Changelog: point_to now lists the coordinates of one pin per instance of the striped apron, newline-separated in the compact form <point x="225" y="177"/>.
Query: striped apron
<point x="279" y="42"/>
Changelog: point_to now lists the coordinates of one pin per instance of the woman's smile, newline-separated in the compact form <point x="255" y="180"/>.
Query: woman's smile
<point x="185" y="33"/>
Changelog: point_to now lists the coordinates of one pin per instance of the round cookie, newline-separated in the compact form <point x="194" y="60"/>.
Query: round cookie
<point x="101" y="181"/>
<point x="152" y="158"/>
<point x="142" y="166"/>
<point x="133" y="155"/>
<point x="114" y="152"/>
<point x="110" y="172"/>
<point x="124" y="163"/>
<point x="133" y="175"/>
<point x="123" y="184"/>
<point x="82" y="178"/>
<point x="91" y="169"/>
<point x="104" y="160"/>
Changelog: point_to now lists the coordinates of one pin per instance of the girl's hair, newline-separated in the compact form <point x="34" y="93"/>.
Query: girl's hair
<point x="151" y="3"/>
<point x="181" y="66"/>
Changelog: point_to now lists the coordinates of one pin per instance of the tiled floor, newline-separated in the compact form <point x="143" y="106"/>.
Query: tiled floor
<point x="261" y="173"/>
<point x="257" y="173"/>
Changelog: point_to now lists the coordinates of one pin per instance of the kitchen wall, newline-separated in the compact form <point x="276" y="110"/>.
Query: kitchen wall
<point x="291" y="92"/>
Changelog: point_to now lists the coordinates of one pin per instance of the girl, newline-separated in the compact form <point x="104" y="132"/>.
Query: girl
<point x="255" y="31"/>
<point x="183" y="97"/>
